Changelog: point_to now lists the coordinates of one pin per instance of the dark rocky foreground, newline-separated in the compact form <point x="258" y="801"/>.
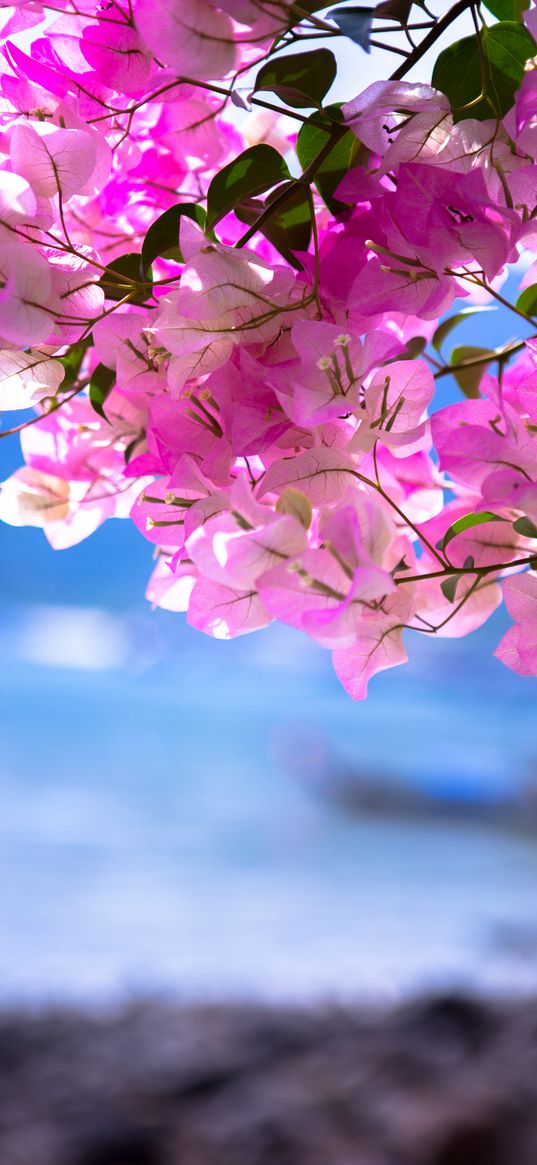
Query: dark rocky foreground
<point x="445" y="1081"/>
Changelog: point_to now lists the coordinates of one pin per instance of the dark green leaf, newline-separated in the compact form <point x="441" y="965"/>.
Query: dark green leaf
<point x="355" y="23"/>
<point x="449" y="587"/>
<point x="132" y="446"/>
<point x="415" y="346"/>
<point x="119" y="276"/>
<point x="72" y="362"/>
<point x="301" y="79"/>
<point x="526" y="527"/>
<point x="457" y="74"/>
<point x="395" y="10"/>
<point x="443" y="330"/>
<point x="296" y="13"/>
<point x="346" y="152"/>
<point x="466" y="523"/>
<point x="506" y="48"/>
<point x="162" y="238"/>
<point x="101" y="384"/>
<point x="527" y="302"/>
<point x="469" y="379"/>
<point x="289" y="227"/>
<point x="507" y="9"/>
<point x="257" y="169"/>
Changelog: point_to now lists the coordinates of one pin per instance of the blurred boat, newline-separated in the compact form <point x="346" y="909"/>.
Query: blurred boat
<point x="442" y="796"/>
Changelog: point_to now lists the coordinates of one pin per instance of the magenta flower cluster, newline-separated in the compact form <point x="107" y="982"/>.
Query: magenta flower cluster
<point x="260" y="412"/>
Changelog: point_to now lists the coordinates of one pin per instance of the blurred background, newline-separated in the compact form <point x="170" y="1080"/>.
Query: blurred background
<point x="219" y="820"/>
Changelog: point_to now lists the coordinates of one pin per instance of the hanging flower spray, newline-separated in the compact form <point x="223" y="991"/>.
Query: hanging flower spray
<point x="230" y="327"/>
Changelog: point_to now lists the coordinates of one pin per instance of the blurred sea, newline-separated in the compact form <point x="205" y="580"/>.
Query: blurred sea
<point x="162" y="827"/>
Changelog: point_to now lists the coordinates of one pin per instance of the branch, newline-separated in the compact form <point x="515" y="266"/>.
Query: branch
<point x="501" y="354"/>
<point x="339" y="129"/>
<point x="428" y="41"/>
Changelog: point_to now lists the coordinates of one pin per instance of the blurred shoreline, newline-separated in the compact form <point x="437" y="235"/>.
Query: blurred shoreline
<point x="440" y="1080"/>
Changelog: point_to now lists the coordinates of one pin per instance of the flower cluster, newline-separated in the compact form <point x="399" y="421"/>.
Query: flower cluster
<point x="249" y="378"/>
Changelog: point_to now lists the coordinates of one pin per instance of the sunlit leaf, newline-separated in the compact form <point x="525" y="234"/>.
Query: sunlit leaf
<point x="469" y="379"/>
<point x="443" y="330"/>
<point x="527" y="301"/>
<point x="466" y="523"/>
<point x="257" y="169"/>
<point x="506" y="47"/>
<point x="293" y="501"/>
<point x="301" y="79"/>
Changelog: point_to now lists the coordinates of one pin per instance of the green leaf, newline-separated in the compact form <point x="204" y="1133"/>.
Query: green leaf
<point x="347" y="152"/>
<point x="72" y="363"/>
<point x="395" y="10"/>
<point x="257" y="169"/>
<point x="414" y="347"/>
<point x="102" y="381"/>
<point x="507" y="9"/>
<point x="449" y="587"/>
<point x="457" y="74"/>
<point x="506" y="48"/>
<point x="525" y="527"/>
<point x="527" y="302"/>
<point x="466" y="523"/>
<point x="310" y="6"/>
<point x="132" y="446"/>
<point x="443" y="330"/>
<point x="354" y="23"/>
<point x="289" y="227"/>
<point x="300" y="80"/>
<point x="162" y="238"/>
<point x="469" y="379"/>
<point x="119" y="276"/>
